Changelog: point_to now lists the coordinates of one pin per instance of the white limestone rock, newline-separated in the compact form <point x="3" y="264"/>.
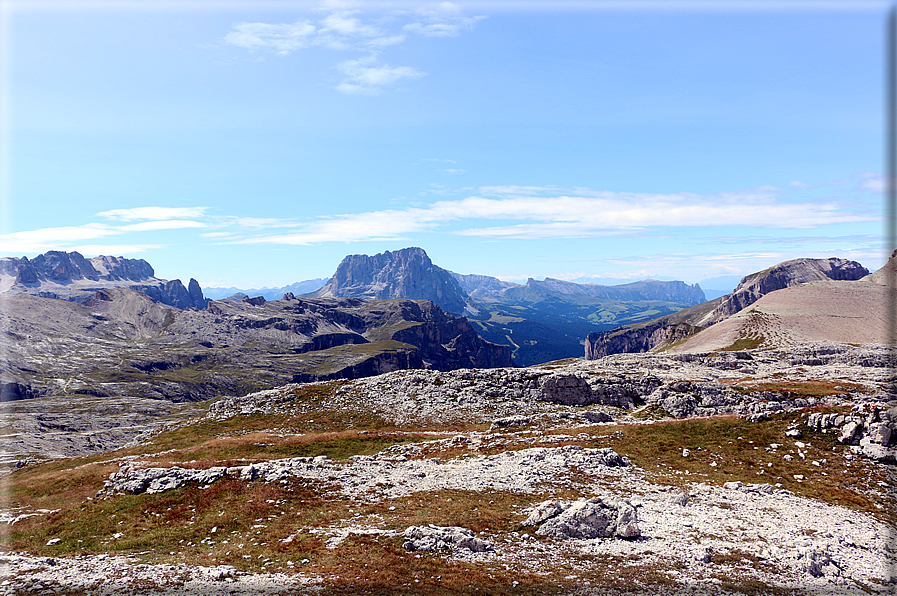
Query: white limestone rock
<point x="435" y="538"/>
<point x="607" y="517"/>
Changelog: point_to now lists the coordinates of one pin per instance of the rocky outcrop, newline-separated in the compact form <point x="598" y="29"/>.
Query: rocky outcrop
<point x="406" y="273"/>
<point x="783" y="275"/>
<point x="436" y="538"/>
<point x="62" y="267"/>
<point x="598" y="517"/>
<point x="870" y="428"/>
<point x="173" y="293"/>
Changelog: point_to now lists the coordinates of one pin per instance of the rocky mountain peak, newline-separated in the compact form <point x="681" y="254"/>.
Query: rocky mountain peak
<point x="69" y="276"/>
<point x="405" y="273"/>
<point x="784" y="275"/>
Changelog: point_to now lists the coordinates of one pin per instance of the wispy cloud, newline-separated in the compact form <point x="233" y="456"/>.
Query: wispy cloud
<point x="281" y="39"/>
<point x="345" y="29"/>
<point x="364" y="77"/>
<point x="528" y="215"/>
<point x="442" y="20"/>
<point x="494" y="213"/>
<point x="114" y="249"/>
<point x="72" y="237"/>
<point x="155" y="213"/>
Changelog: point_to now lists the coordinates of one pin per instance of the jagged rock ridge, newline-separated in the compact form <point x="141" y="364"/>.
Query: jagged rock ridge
<point x="784" y="275"/>
<point x="69" y="276"/>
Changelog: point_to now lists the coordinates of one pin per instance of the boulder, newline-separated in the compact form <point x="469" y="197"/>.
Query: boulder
<point x="596" y="417"/>
<point x="599" y="517"/>
<point x="509" y="421"/>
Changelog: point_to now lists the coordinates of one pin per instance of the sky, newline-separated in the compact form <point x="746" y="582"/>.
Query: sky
<point x="254" y="144"/>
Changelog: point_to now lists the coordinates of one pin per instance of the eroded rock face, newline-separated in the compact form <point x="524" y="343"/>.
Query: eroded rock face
<point x="69" y="276"/>
<point x="406" y="273"/>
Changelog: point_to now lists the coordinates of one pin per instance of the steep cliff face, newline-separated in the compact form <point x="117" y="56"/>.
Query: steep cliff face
<point x="406" y="273"/>
<point x="69" y="276"/>
<point x="783" y="275"/>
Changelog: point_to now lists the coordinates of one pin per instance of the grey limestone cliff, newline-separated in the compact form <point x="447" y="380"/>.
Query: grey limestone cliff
<point x="69" y="276"/>
<point x="405" y="273"/>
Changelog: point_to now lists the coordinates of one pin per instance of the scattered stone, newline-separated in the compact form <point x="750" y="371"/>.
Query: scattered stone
<point x="435" y="538"/>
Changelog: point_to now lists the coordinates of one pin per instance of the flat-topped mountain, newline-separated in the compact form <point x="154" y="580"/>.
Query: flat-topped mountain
<point x="806" y="274"/>
<point x="69" y="276"/>
<point x="406" y="273"/>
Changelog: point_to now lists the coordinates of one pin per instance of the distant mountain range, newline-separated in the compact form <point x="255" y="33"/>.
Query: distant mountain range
<point x="276" y="293"/>
<point x="541" y="320"/>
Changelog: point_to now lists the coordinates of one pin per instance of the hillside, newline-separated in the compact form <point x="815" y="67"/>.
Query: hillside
<point x="672" y="330"/>
<point x="835" y="311"/>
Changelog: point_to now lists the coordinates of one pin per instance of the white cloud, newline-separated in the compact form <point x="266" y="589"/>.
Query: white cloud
<point x="442" y="20"/>
<point x="364" y="79"/>
<point x="89" y="250"/>
<point x="875" y="183"/>
<point x="540" y="217"/>
<point x="70" y="237"/>
<point x="154" y="226"/>
<point x="281" y="39"/>
<point x="42" y="240"/>
<point x="344" y="30"/>
<point x="155" y="213"/>
<point x="378" y="225"/>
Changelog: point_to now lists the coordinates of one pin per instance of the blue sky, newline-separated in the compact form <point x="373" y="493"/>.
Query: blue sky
<point x="256" y="144"/>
